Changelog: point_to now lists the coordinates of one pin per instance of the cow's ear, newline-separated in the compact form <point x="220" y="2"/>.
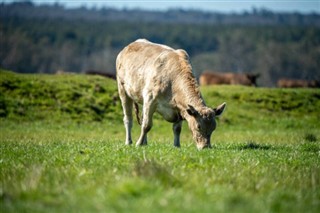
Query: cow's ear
<point x="219" y="110"/>
<point x="192" y="111"/>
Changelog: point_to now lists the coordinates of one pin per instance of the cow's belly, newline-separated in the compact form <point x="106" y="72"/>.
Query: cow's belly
<point x="134" y="91"/>
<point x="168" y="113"/>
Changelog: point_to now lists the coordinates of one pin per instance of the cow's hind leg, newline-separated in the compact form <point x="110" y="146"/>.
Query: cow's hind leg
<point x="176" y="131"/>
<point x="127" y="104"/>
<point x="148" y="110"/>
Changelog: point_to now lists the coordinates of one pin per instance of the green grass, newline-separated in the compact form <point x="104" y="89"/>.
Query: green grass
<point x="62" y="150"/>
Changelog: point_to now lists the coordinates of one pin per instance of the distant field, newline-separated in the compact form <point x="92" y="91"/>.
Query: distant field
<point x="62" y="150"/>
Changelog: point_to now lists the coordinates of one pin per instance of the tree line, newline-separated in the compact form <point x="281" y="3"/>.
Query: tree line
<point x="51" y="41"/>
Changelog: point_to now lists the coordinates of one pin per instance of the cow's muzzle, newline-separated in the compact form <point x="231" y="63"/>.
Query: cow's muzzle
<point x="203" y="146"/>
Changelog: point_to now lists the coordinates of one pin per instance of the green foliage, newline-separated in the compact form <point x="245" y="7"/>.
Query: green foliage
<point x="32" y="43"/>
<point x="62" y="150"/>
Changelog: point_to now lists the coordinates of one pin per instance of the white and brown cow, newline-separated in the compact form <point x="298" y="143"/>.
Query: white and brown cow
<point x="161" y="80"/>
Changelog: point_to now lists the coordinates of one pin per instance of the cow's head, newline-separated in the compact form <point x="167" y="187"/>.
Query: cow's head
<point x="252" y="78"/>
<point x="202" y="123"/>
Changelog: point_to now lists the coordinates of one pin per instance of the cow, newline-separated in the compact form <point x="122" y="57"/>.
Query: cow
<point x="161" y="80"/>
<point x="247" y="79"/>
<point x="295" y="83"/>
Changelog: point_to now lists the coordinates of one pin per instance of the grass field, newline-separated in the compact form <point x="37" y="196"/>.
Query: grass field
<point x="62" y="150"/>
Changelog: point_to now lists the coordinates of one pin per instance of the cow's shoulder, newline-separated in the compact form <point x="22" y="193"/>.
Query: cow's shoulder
<point x="165" y="58"/>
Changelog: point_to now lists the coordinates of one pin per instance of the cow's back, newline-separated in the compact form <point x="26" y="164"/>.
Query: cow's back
<point x="136" y="58"/>
<point x="208" y="78"/>
<point x="146" y="67"/>
<point x="296" y="83"/>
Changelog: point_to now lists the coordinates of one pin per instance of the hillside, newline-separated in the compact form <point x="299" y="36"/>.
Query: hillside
<point x="81" y="98"/>
<point x="77" y="97"/>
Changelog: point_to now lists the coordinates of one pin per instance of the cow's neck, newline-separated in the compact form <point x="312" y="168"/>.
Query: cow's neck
<point x="186" y="88"/>
<point x="188" y="93"/>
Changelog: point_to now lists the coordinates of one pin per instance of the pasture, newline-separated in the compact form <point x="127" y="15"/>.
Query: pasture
<point x="62" y="150"/>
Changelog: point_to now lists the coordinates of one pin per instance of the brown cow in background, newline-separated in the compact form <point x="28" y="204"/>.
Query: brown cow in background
<point x="295" y="83"/>
<point x="208" y="78"/>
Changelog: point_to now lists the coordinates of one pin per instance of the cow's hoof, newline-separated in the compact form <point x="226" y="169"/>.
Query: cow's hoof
<point x="140" y="144"/>
<point x="128" y="143"/>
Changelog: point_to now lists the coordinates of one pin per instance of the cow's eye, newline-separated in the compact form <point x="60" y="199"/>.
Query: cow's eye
<point x="198" y="126"/>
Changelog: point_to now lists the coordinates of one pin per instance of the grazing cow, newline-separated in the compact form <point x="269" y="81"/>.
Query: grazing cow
<point x="160" y="78"/>
<point x="293" y="83"/>
<point x="104" y="74"/>
<point x="247" y="79"/>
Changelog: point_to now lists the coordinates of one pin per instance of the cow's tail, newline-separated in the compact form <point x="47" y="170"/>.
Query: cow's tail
<point x="136" y="110"/>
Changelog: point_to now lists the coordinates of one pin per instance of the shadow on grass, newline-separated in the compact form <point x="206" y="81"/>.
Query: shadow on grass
<point x="254" y="145"/>
<point x="250" y="145"/>
<point x="309" y="137"/>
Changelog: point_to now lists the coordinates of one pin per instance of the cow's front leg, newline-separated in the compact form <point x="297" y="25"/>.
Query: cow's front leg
<point x="127" y="104"/>
<point x="176" y="132"/>
<point x="148" y="110"/>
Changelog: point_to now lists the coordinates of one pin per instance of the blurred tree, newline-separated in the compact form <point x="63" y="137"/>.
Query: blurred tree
<point x="49" y="38"/>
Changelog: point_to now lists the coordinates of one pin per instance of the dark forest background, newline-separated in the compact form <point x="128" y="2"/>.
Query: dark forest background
<point x="48" y="38"/>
